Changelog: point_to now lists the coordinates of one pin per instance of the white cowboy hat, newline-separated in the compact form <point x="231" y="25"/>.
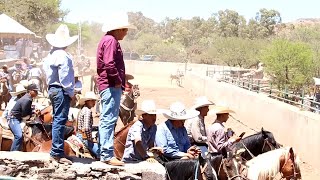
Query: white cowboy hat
<point x="222" y="110"/>
<point x="19" y="89"/>
<point x="148" y="107"/>
<point x="25" y="83"/>
<point x="88" y="96"/>
<point x="61" y="38"/>
<point x="202" y="102"/>
<point x="76" y="74"/>
<point x="178" y="111"/>
<point x="117" y="21"/>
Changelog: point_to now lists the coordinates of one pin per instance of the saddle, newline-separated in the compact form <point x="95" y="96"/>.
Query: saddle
<point x="76" y="145"/>
<point x="6" y="133"/>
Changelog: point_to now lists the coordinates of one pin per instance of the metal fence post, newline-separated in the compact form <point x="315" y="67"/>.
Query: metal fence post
<point x="270" y="91"/>
<point x="302" y="99"/>
<point x="258" y="86"/>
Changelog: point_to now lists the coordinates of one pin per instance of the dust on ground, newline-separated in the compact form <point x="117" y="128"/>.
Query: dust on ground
<point x="163" y="93"/>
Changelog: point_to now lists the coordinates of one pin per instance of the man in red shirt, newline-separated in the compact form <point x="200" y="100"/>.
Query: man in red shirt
<point x="111" y="82"/>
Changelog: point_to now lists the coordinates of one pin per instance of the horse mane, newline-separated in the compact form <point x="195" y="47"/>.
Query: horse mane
<point x="267" y="165"/>
<point x="125" y="127"/>
<point x="181" y="169"/>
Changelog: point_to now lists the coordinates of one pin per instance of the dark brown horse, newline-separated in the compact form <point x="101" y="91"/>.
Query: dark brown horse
<point x="120" y="139"/>
<point x="4" y="94"/>
<point x="128" y="105"/>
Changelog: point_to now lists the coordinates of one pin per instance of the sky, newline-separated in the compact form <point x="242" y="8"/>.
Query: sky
<point x="158" y="10"/>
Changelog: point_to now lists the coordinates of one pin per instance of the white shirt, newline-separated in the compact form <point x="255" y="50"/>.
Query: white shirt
<point x="35" y="72"/>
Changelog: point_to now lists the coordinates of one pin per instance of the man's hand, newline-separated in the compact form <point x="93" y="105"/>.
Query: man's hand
<point x="188" y="156"/>
<point x="151" y="160"/>
<point x="156" y="150"/>
<point x="235" y="139"/>
<point x="194" y="150"/>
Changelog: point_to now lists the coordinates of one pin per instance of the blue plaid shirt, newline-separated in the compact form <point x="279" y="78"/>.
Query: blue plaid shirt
<point x="174" y="141"/>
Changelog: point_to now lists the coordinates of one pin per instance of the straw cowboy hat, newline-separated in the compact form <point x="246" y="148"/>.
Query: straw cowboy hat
<point x="61" y="38"/>
<point x="88" y="96"/>
<point x="25" y="83"/>
<point x="222" y="110"/>
<point x="202" y="102"/>
<point x="117" y="21"/>
<point x="19" y="89"/>
<point x="178" y="111"/>
<point x="148" y="107"/>
<point x="129" y="77"/>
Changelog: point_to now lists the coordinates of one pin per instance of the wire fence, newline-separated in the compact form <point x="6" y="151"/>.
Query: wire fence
<point x="298" y="99"/>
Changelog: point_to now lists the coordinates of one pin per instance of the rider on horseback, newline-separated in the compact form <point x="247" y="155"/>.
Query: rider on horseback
<point x="85" y="122"/>
<point x="196" y="127"/>
<point x="142" y="134"/>
<point x="35" y="73"/>
<point x="21" y="111"/>
<point x="217" y="138"/>
<point x="172" y="135"/>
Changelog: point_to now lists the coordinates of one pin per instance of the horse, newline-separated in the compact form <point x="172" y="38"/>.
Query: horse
<point x="128" y="105"/>
<point x="256" y="144"/>
<point x="4" y="94"/>
<point x="224" y="166"/>
<point x="45" y="147"/>
<point x="178" y="77"/>
<point x="266" y="166"/>
<point x="120" y="139"/>
<point x="34" y="135"/>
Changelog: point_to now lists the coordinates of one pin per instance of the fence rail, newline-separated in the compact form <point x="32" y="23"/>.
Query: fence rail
<point x="265" y="87"/>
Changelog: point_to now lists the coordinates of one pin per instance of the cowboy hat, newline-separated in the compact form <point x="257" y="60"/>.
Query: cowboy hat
<point x="148" y="107"/>
<point x="178" y="111"/>
<point x="19" y="89"/>
<point x="222" y="110"/>
<point x="25" y="83"/>
<point x="202" y="102"/>
<point x="129" y="77"/>
<point x="88" y="96"/>
<point x="61" y="38"/>
<point x="117" y="21"/>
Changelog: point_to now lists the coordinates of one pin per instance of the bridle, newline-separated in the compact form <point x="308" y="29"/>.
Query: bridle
<point x="294" y="175"/>
<point x="228" y="176"/>
<point x="133" y="95"/>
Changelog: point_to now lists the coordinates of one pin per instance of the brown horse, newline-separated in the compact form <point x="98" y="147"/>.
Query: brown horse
<point x="34" y="135"/>
<point x="45" y="147"/>
<point x="128" y="105"/>
<point x="120" y="139"/>
<point x="4" y="94"/>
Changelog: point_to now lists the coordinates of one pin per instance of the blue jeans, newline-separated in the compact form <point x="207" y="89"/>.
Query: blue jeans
<point x="110" y="102"/>
<point x="94" y="148"/>
<point x="61" y="105"/>
<point x="15" y="128"/>
<point x="98" y="106"/>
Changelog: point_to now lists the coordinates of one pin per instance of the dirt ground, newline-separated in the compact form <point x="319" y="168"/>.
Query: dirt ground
<point x="163" y="93"/>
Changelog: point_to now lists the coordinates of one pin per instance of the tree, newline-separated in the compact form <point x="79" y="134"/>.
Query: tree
<point x="268" y="19"/>
<point x="230" y="23"/>
<point x="36" y="15"/>
<point x="289" y="62"/>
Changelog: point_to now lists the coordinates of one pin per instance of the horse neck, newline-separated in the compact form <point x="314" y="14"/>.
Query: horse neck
<point x="129" y="99"/>
<point x="254" y="143"/>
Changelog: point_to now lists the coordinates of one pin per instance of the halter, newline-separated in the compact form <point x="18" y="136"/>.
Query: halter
<point x="230" y="178"/>
<point x="294" y="175"/>
<point x="135" y="95"/>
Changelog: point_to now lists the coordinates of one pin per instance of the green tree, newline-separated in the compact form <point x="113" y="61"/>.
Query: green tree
<point x="36" y="15"/>
<point x="291" y="63"/>
<point x="230" y="23"/>
<point x="268" y="19"/>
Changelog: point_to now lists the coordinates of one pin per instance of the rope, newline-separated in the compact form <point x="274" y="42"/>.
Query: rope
<point x="242" y="123"/>
<point x="196" y="173"/>
<point x="247" y="149"/>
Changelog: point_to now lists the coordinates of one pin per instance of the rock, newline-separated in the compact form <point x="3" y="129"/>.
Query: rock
<point x="125" y="175"/>
<point x="23" y="167"/>
<point x="153" y="175"/>
<point x="45" y="170"/>
<point x="5" y="170"/>
<point x="65" y="176"/>
<point x="96" y="174"/>
<point x="110" y="176"/>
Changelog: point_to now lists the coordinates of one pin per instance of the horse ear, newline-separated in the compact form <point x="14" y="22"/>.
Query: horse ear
<point x="264" y="133"/>
<point x="291" y="153"/>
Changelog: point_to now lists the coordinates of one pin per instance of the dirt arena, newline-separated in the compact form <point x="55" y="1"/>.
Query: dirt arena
<point x="163" y="93"/>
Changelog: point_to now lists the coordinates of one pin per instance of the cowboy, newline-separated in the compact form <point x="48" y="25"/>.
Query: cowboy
<point x="5" y="77"/>
<point x="141" y="135"/>
<point x="21" y="111"/>
<point x="196" y="128"/>
<point x="78" y="83"/>
<point x="35" y="72"/>
<point x="111" y="81"/>
<point x="217" y="137"/>
<point x="15" y="96"/>
<point x="58" y="67"/>
<point x="172" y="135"/>
<point x="85" y="122"/>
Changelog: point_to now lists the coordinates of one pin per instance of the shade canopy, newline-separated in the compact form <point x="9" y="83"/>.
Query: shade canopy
<point x="10" y="27"/>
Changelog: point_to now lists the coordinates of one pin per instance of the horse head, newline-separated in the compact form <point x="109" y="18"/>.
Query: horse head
<point x="135" y="91"/>
<point x="232" y="166"/>
<point x="270" y="142"/>
<point x="289" y="165"/>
